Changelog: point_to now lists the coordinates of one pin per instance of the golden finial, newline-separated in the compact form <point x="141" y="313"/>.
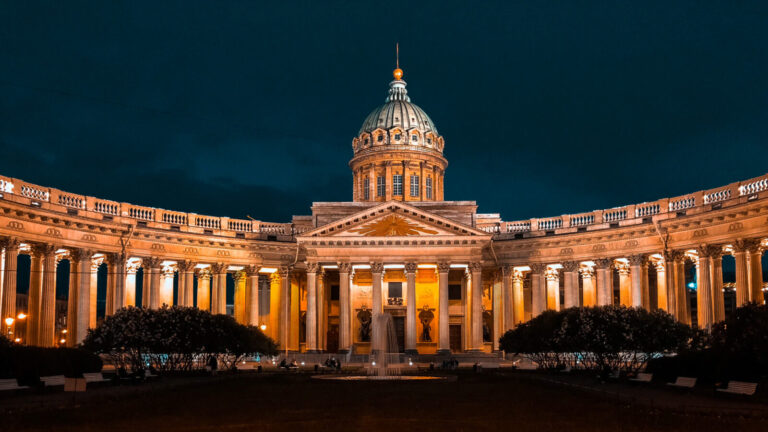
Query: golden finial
<point x="397" y="73"/>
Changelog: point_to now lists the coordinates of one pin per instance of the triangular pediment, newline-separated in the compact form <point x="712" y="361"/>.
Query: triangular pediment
<point x="394" y="219"/>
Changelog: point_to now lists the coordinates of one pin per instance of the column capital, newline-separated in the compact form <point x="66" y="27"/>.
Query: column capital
<point x="43" y="249"/>
<point x="622" y="267"/>
<point x="219" y="268"/>
<point x="637" y="260"/>
<point x="751" y="245"/>
<point x="706" y="251"/>
<point x="552" y="274"/>
<point x="671" y="256"/>
<point x="443" y="267"/>
<point x="506" y="270"/>
<point x="586" y="272"/>
<point x="344" y="267"/>
<point x="252" y="270"/>
<point x="538" y="268"/>
<point x="9" y="242"/>
<point x="476" y="267"/>
<point x="114" y="258"/>
<point x="80" y="254"/>
<point x="377" y="267"/>
<point x="517" y="276"/>
<point x="604" y="263"/>
<point x="410" y="267"/>
<point x="185" y="266"/>
<point x="570" y="266"/>
<point x="204" y="273"/>
<point x="151" y="263"/>
<point x="312" y="267"/>
<point x="236" y="276"/>
<point x="285" y="271"/>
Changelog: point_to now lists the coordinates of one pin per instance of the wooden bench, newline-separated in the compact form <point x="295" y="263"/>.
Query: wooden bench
<point x="10" y="384"/>
<point x="740" y="387"/>
<point x="53" y="380"/>
<point x="685" y="382"/>
<point x="642" y="377"/>
<point x="95" y="377"/>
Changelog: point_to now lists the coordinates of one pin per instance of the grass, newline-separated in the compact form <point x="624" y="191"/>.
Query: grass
<point x="251" y="402"/>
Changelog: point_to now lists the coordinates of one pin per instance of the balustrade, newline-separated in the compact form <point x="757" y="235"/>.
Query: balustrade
<point x="105" y="207"/>
<point x="682" y="203"/>
<point x="753" y="187"/>
<point x="518" y="227"/>
<point x="141" y="213"/>
<point x="34" y="192"/>
<point x="717" y="196"/>
<point x="615" y="215"/>
<point x="240" y="225"/>
<point x="582" y="220"/>
<point x="208" y="222"/>
<point x="550" y="224"/>
<point x="73" y="201"/>
<point x="644" y="210"/>
<point x="174" y="218"/>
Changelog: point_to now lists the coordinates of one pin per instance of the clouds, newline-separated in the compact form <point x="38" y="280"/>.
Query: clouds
<point x="250" y="109"/>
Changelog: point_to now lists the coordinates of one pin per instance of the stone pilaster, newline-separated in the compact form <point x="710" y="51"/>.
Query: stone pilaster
<point x="570" y="284"/>
<point x="376" y="273"/>
<point x="589" y="291"/>
<point x="444" y="340"/>
<point x="604" y="285"/>
<point x="204" y="289"/>
<point x="345" y="325"/>
<point x="538" y="289"/>
<point x="410" y="308"/>
<point x="252" y="306"/>
<point x="477" y="305"/>
<point x="311" y="330"/>
<point x="8" y="306"/>
<point x="47" y="323"/>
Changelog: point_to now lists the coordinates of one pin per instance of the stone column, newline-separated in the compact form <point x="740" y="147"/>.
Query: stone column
<point x="662" y="297"/>
<point x="72" y="302"/>
<point x="410" y="308"/>
<point x="311" y="330"/>
<point x="285" y="306"/>
<point x="388" y="181"/>
<point x="718" y="301"/>
<point x="35" y="294"/>
<point x="740" y="249"/>
<point x="444" y="339"/>
<point x="604" y="289"/>
<point x="130" y="284"/>
<point x="756" y="273"/>
<point x="93" y="291"/>
<point x="376" y="332"/>
<point x="219" y="288"/>
<point x="116" y="279"/>
<point x="683" y="301"/>
<point x="166" y="285"/>
<point x="589" y="293"/>
<point x="704" y="288"/>
<point x="146" y="282"/>
<point x="252" y="293"/>
<point x="497" y="309"/>
<point x="154" y="283"/>
<point x="466" y="296"/>
<point x="673" y="298"/>
<point x="477" y="306"/>
<point x="507" y="273"/>
<point x="83" y="294"/>
<point x="570" y="284"/>
<point x="636" y="270"/>
<point x="11" y="246"/>
<point x="625" y="283"/>
<point x="46" y="334"/>
<point x="240" y="298"/>
<point x="518" y="298"/>
<point x="646" y="286"/>
<point x="345" y="326"/>
<point x="204" y="289"/>
<point x="553" y="289"/>
<point x="322" y="313"/>
<point x="538" y="290"/>
<point x="188" y="269"/>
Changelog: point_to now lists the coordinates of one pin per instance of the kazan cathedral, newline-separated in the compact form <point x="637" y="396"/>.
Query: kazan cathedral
<point x="452" y="279"/>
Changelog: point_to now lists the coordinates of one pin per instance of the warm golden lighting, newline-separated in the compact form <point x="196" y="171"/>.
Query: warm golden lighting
<point x="61" y="341"/>
<point x="17" y="340"/>
<point x="64" y="331"/>
<point x="263" y="327"/>
<point x="9" y="321"/>
<point x="398" y="74"/>
<point x="21" y="316"/>
<point x="392" y="225"/>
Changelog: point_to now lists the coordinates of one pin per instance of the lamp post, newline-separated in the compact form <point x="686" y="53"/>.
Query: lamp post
<point x="9" y="325"/>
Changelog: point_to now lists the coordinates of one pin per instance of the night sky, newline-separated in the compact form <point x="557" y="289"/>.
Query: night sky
<point x="234" y="108"/>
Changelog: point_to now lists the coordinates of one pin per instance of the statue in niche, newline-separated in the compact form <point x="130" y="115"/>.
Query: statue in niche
<point x="426" y="316"/>
<point x="487" y="325"/>
<point x="364" y="316"/>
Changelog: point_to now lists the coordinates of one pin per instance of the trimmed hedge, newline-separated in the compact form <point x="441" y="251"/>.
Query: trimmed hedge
<point x="27" y="363"/>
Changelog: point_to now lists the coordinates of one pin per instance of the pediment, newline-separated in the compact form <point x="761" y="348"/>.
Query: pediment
<point x="394" y="219"/>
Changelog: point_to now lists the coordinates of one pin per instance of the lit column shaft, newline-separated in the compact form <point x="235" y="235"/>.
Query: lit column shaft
<point x="345" y="341"/>
<point x="35" y="294"/>
<point x="311" y="330"/>
<point x="444" y="341"/>
<point x="410" y="308"/>
<point x="477" y="306"/>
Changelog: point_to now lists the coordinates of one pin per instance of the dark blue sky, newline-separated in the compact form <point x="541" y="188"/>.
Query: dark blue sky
<point x="237" y="107"/>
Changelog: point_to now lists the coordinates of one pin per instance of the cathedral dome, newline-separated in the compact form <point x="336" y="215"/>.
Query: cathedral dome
<point x="398" y="122"/>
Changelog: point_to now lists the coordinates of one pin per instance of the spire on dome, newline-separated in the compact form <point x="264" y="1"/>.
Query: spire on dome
<point x="397" y="89"/>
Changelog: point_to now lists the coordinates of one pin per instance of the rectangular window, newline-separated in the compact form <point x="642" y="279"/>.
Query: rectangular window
<point x="414" y="185"/>
<point x="429" y="187"/>
<point x="366" y="188"/>
<point x="381" y="188"/>
<point x="395" y="289"/>
<point x="335" y="292"/>
<point x="454" y="292"/>
<point x="397" y="184"/>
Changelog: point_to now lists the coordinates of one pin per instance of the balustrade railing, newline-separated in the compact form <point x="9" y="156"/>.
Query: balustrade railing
<point x="717" y="196"/>
<point x="645" y="210"/>
<point x="34" y="192"/>
<point x="753" y="187"/>
<point x="141" y="213"/>
<point x="615" y="215"/>
<point x="6" y="186"/>
<point x="682" y="203"/>
<point x="208" y="222"/>
<point x="110" y="208"/>
<point x="72" y="201"/>
<point x="240" y="225"/>
<point x="518" y="227"/>
<point x="175" y="218"/>
<point x="550" y="224"/>
<point x="582" y="220"/>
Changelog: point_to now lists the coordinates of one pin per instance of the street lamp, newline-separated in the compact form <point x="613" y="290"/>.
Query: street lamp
<point x="263" y="327"/>
<point x="9" y="324"/>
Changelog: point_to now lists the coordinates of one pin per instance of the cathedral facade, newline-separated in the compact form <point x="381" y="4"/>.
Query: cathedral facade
<point x="453" y="280"/>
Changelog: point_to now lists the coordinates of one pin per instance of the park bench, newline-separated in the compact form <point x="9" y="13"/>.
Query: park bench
<point x="95" y="377"/>
<point x="740" y="387"/>
<point x="642" y="377"/>
<point x="685" y="382"/>
<point x="53" y="380"/>
<point x="10" y="384"/>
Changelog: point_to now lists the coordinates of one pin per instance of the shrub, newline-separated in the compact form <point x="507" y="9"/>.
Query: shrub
<point x="175" y="338"/>
<point x="28" y="363"/>
<point x="606" y="337"/>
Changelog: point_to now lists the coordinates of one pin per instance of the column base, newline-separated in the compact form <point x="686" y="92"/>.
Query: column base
<point x="411" y="352"/>
<point x="443" y="352"/>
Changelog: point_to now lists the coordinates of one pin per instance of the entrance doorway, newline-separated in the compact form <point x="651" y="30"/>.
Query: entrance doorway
<point x="454" y="333"/>
<point x="332" y="338"/>
<point x="399" y="323"/>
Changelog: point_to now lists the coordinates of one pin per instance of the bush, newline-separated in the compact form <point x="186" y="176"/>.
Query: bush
<point x="28" y="363"/>
<point x="606" y="337"/>
<point x="175" y="338"/>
